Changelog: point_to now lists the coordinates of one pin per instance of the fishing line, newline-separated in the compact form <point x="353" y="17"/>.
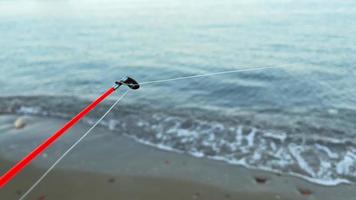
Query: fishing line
<point x="70" y="149"/>
<point x="211" y="74"/>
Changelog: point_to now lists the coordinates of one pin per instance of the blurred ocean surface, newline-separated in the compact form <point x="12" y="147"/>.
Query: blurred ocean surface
<point x="300" y="119"/>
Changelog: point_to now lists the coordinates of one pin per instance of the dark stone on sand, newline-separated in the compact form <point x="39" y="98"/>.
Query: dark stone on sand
<point x="305" y="191"/>
<point x="111" y="180"/>
<point x="227" y="196"/>
<point x="260" y="179"/>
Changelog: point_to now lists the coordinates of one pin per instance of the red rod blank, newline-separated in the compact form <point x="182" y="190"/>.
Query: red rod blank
<point x="48" y="142"/>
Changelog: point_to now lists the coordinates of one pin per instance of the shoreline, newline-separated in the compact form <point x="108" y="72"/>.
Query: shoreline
<point x="141" y="169"/>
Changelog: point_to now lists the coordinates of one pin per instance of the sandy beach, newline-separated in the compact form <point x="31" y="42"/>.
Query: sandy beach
<point x="121" y="168"/>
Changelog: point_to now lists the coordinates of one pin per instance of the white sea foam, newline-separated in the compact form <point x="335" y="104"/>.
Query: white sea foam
<point x="278" y="136"/>
<point x="331" y="154"/>
<point x="250" y="138"/>
<point x="296" y="151"/>
<point x="29" y="110"/>
<point x="255" y="148"/>
<point x="345" y="166"/>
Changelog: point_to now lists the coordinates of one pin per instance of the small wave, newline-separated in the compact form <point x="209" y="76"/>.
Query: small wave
<point x="311" y="147"/>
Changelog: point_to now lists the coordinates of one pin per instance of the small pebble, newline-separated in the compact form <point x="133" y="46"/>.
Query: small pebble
<point x="305" y="191"/>
<point x="111" y="180"/>
<point x="260" y="179"/>
<point x="19" y="123"/>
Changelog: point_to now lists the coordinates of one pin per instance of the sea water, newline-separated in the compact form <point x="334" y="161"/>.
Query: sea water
<point x="298" y="118"/>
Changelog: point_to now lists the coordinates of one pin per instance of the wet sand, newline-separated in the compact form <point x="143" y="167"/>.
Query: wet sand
<point x="108" y="165"/>
<point x="80" y="185"/>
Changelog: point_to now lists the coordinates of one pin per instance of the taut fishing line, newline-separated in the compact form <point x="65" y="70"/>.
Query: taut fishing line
<point x="211" y="74"/>
<point x="71" y="148"/>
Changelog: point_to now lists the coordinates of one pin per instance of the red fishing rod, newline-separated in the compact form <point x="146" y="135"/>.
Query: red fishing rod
<point x="10" y="174"/>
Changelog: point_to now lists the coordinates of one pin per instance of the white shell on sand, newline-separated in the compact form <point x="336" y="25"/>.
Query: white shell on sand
<point x="19" y="123"/>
